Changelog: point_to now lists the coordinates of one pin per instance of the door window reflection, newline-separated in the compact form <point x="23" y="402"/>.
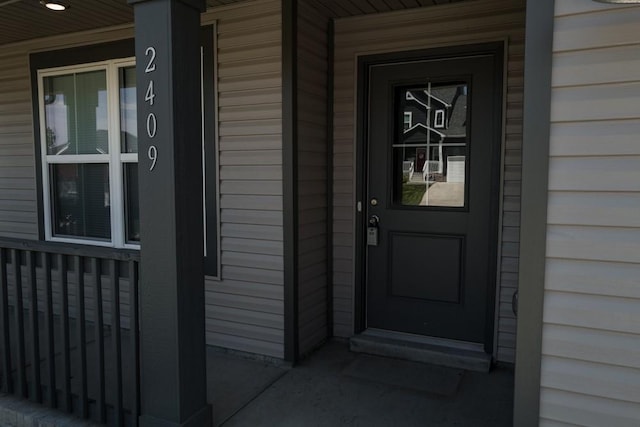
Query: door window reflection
<point x="430" y="151"/>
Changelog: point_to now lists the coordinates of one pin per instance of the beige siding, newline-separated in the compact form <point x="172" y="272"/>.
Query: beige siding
<point x="591" y="356"/>
<point x="245" y="309"/>
<point x="18" y="210"/>
<point x="454" y="24"/>
<point x="312" y="176"/>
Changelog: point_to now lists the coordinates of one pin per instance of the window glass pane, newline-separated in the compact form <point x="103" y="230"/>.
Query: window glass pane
<point x="430" y="152"/>
<point x="128" y="119"/>
<point x="81" y="200"/>
<point x="132" y="211"/>
<point x="75" y="113"/>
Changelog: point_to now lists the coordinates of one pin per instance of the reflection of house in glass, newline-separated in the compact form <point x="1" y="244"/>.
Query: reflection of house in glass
<point x="433" y="138"/>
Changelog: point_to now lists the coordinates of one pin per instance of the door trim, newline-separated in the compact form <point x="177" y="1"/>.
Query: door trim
<point x="364" y="63"/>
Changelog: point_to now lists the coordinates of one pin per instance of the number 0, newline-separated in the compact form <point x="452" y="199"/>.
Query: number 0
<point x="152" y="125"/>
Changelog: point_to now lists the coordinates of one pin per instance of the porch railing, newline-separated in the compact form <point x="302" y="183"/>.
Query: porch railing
<point x="68" y="328"/>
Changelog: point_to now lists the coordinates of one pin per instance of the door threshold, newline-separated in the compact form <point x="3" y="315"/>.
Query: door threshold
<point x="416" y="348"/>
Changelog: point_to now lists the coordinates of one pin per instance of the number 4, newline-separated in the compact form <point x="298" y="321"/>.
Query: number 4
<point x="148" y="97"/>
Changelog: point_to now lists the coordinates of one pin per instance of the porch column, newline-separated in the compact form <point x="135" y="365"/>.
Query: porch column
<point x="172" y="334"/>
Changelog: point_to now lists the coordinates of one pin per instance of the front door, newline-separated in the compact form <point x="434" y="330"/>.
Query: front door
<point x="434" y="131"/>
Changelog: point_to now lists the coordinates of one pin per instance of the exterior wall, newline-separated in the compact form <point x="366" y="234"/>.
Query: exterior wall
<point x="312" y="40"/>
<point x="436" y="26"/>
<point x="245" y="309"/>
<point x="590" y="355"/>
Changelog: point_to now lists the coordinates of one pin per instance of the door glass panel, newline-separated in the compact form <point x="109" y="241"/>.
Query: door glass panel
<point x="430" y="145"/>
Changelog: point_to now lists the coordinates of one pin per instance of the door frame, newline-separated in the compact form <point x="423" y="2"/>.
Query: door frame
<point x="364" y="64"/>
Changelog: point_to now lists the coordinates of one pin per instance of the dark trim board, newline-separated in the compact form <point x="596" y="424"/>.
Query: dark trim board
<point x="533" y="221"/>
<point x="210" y="152"/>
<point x="496" y="49"/>
<point x="330" y="99"/>
<point x="290" y="177"/>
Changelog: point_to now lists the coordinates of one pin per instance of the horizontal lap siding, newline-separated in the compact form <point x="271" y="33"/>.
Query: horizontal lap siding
<point x="18" y="208"/>
<point x="591" y="356"/>
<point x="244" y="309"/>
<point x="455" y="24"/>
<point x="312" y="176"/>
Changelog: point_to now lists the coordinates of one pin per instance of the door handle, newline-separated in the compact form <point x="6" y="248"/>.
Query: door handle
<point x="374" y="220"/>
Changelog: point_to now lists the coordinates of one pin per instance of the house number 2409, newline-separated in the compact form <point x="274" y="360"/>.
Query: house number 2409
<point x="152" y="122"/>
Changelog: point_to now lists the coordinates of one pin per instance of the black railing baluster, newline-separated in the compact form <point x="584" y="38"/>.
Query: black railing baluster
<point x="135" y="339"/>
<point x="54" y="325"/>
<point x="20" y="363"/>
<point x="99" y="331"/>
<point x="49" y="321"/>
<point x="36" y="394"/>
<point x="66" y="356"/>
<point x="7" y="383"/>
<point x="81" y="369"/>
<point x="116" y="339"/>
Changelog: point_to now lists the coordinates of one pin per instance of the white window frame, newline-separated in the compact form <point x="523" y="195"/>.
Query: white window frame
<point x="115" y="158"/>
<point x="407" y="119"/>
<point x="439" y="120"/>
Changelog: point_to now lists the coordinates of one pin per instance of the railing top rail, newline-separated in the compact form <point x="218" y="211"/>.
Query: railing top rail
<point x="70" y="249"/>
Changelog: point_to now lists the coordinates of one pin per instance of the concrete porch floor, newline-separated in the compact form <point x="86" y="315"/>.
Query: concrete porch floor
<point x="333" y="387"/>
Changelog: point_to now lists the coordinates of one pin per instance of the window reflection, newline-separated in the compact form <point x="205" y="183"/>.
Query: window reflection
<point x="128" y="119"/>
<point x="430" y="150"/>
<point x="81" y="200"/>
<point x="75" y="109"/>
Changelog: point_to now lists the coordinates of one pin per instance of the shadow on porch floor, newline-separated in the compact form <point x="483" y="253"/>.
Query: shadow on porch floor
<point x="335" y="387"/>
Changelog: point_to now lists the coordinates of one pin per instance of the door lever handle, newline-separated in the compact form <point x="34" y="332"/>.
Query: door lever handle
<point x="374" y="220"/>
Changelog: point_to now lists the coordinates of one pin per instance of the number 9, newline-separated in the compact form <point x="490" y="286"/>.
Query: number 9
<point x="153" y="156"/>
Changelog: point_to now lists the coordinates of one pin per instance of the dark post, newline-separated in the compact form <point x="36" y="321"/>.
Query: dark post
<point x="172" y="334"/>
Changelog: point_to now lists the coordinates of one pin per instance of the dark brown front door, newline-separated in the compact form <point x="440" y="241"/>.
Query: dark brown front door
<point x="432" y="194"/>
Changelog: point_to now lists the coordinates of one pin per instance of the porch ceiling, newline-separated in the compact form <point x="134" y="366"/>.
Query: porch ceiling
<point x="27" y="19"/>
<point x="343" y="8"/>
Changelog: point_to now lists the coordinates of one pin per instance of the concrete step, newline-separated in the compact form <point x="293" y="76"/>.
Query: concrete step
<point x="399" y="347"/>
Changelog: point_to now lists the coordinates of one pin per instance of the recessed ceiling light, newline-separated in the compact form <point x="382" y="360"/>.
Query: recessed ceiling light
<point x="55" y="5"/>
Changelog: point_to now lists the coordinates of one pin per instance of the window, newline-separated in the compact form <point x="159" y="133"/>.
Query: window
<point x="88" y="137"/>
<point x="85" y="128"/>
<point x="407" y="120"/>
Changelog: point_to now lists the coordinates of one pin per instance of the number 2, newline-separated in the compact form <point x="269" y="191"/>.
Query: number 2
<point x="150" y="66"/>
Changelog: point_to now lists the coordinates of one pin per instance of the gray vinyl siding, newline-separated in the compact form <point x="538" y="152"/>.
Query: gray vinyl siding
<point x="244" y="308"/>
<point x="18" y="210"/>
<point x="436" y="26"/>
<point x="312" y="176"/>
<point x="590" y="354"/>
